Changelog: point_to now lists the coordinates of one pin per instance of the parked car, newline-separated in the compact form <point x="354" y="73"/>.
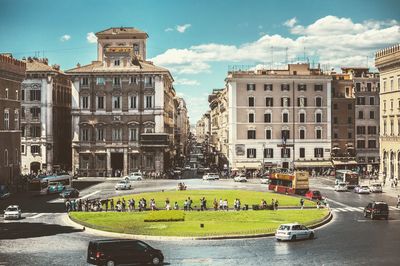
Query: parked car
<point x="4" y="194"/>
<point x="112" y="252"/>
<point x="122" y="185"/>
<point x="211" y="176"/>
<point x="362" y="190"/>
<point x="293" y="232"/>
<point x="376" y="188"/>
<point x="313" y="194"/>
<point x="377" y="209"/>
<point x="264" y="180"/>
<point x="135" y="176"/>
<point x="341" y="186"/>
<point x="12" y="212"/>
<point x="70" y="193"/>
<point x="240" y="178"/>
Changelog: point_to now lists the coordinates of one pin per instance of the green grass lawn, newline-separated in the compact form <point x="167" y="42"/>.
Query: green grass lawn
<point x="246" y="197"/>
<point x="215" y="222"/>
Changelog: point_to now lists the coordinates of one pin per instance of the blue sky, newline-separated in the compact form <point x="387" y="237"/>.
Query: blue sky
<point x="198" y="40"/>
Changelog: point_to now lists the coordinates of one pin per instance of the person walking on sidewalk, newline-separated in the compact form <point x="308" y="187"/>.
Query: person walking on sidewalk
<point x="398" y="201"/>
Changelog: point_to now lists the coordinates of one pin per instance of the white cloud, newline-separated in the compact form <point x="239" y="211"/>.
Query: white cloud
<point x="291" y="22"/>
<point x="183" y="28"/>
<point x="169" y="29"/>
<point x="65" y="38"/>
<point x="186" y="82"/>
<point x="91" y="37"/>
<point x="329" y="40"/>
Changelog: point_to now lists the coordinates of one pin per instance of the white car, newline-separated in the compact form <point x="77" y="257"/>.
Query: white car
<point x="362" y="190"/>
<point x="136" y="176"/>
<point x="12" y="212"/>
<point x="264" y="181"/>
<point x="123" y="184"/>
<point x="240" y="178"/>
<point x="376" y="188"/>
<point x="342" y="186"/>
<point x="293" y="232"/>
<point x="211" y="176"/>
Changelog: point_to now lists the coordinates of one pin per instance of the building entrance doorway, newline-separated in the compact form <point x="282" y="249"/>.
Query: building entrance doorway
<point x="35" y="167"/>
<point x="117" y="163"/>
<point x="285" y="165"/>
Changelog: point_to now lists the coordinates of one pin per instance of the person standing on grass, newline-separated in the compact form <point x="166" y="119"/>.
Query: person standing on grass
<point x="185" y="205"/>
<point x="220" y="204"/>
<point x="176" y="206"/>
<point x="276" y="205"/>
<point x="273" y="204"/>
<point x="302" y="203"/>
<point x="215" y="204"/>
<point x="190" y="204"/>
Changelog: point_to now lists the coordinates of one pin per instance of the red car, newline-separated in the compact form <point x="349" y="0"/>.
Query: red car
<point x="314" y="195"/>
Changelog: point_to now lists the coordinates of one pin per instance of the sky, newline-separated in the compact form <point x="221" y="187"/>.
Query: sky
<point x="199" y="41"/>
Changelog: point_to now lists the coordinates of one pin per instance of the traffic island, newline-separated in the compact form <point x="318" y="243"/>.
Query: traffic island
<point x="207" y="224"/>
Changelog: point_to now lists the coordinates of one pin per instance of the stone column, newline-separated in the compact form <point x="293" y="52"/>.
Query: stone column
<point x="125" y="171"/>
<point x="109" y="170"/>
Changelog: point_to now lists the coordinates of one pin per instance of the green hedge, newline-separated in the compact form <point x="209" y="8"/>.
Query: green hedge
<point x="165" y="216"/>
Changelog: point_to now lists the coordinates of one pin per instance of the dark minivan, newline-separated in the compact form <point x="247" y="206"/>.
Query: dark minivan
<point x="112" y="252"/>
<point x="377" y="209"/>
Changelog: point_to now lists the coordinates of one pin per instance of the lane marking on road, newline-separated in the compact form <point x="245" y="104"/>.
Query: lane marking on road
<point x="354" y="209"/>
<point x="338" y="203"/>
<point x="91" y="194"/>
<point x="342" y="209"/>
<point x="363" y="221"/>
<point x="36" y="216"/>
<point x="393" y="208"/>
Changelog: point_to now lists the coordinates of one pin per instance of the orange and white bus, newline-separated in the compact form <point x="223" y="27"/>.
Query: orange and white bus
<point x="290" y="183"/>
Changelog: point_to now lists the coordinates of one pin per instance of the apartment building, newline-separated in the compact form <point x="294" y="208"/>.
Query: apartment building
<point x="123" y="108"/>
<point x="279" y="118"/>
<point x="219" y="127"/>
<point x="388" y="63"/>
<point x="343" y="121"/>
<point x="203" y="128"/>
<point x="45" y="118"/>
<point x="366" y="92"/>
<point x="12" y="72"/>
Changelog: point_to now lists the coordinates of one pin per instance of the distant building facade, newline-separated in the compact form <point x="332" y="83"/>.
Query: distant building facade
<point x="45" y="118"/>
<point x="279" y="118"/>
<point x="182" y="130"/>
<point x="12" y="72"/>
<point x="388" y="63"/>
<point x="123" y="109"/>
<point x="203" y="128"/>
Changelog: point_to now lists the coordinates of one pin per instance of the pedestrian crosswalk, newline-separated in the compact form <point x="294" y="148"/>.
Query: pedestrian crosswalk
<point x="357" y="209"/>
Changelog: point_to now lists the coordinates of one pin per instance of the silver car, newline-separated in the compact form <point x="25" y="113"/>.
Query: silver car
<point x="12" y="212"/>
<point x="293" y="232"/>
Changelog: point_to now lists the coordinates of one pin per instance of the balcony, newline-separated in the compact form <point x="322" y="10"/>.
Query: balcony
<point x="154" y="140"/>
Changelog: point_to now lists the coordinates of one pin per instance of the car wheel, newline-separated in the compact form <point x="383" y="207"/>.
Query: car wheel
<point x="293" y="238"/>
<point x="311" y="236"/>
<point x="110" y="263"/>
<point x="156" y="261"/>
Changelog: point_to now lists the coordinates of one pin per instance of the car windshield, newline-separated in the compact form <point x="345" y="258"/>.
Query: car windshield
<point x="12" y="209"/>
<point x="376" y="185"/>
<point x="364" y="187"/>
<point x="316" y="193"/>
<point x="381" y="206"/>
<point x="284" y="227"/>
<point x="121" y="182"/>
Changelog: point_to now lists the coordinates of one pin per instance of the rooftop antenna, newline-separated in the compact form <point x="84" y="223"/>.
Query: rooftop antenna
<point x="304" y="53"/>
<point x="286" y="56"/>
<point x="272" y="57"/>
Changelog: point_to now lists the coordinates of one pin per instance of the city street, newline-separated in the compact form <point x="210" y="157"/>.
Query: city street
<point x="42" y="237"/>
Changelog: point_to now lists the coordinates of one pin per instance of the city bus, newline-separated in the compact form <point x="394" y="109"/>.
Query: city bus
<point x="347" y="176"/>
<point x="289" y="183"/>
<point x="46" y="184"/>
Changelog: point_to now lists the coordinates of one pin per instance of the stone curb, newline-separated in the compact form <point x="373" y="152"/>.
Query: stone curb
<point x="71" y="222"/>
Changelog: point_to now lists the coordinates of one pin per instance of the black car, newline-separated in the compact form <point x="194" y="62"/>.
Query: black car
<point x="377" y="209"/>
<point x="70" y="193"/>
<point x="122" y="251"/>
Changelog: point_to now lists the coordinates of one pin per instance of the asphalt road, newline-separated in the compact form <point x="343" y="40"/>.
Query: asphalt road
<point x="43" y="238"/>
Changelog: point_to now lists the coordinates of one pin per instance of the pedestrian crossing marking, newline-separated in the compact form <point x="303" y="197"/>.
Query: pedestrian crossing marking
<point x="358" y="209"/>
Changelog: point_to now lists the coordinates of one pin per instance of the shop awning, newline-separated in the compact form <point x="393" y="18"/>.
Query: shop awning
<point x="350" y="162"/>
<point x="312" y="164"/>
<point x="249" y="165"/>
